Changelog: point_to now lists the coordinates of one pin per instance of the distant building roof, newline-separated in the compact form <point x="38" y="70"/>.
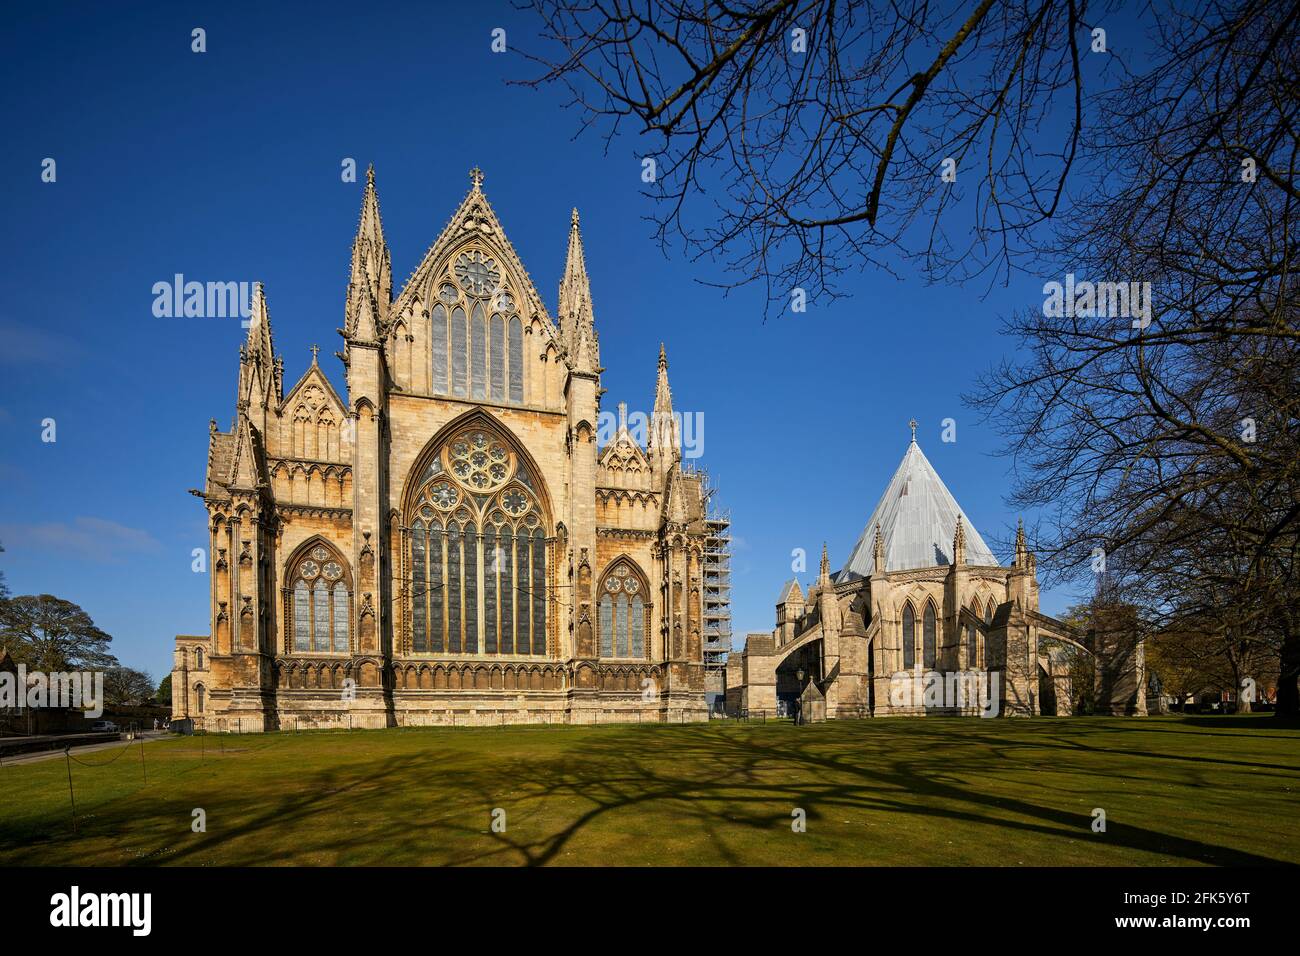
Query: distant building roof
<point x="917" y="516"/>
<point x="790" y="587"/>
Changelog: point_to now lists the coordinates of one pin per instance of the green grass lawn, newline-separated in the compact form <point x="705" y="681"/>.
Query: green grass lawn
<point x="877" y="792"/>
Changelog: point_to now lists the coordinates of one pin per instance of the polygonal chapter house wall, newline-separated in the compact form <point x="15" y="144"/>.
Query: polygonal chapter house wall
<point x="922" y="606"/>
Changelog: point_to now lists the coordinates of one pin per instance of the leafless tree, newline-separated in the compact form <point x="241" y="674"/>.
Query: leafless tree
<point x="1168" y="437"/>
<point x="798" y="139"/>
<point x="1174" y="445"/>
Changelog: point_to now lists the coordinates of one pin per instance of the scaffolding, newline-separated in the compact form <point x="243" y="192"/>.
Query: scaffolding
<point x="717" y="584"/>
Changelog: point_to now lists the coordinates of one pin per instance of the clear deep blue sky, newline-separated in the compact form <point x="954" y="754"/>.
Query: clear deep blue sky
<point x="225" y="166"/>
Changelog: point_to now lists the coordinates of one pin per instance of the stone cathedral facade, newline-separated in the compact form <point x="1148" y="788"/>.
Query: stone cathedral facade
<point x="445" y="543"/>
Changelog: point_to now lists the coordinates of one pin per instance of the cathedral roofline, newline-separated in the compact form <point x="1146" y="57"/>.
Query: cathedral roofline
<point x="917" y="516"/>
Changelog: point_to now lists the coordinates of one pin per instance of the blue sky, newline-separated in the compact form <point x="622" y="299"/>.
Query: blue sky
<point x="225" y="166"/>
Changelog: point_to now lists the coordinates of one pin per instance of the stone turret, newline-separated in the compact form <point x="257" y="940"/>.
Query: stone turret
<point x="665" y="443"/>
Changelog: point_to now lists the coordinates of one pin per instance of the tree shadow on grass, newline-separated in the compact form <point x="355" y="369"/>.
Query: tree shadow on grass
<point x="625" y="786"/>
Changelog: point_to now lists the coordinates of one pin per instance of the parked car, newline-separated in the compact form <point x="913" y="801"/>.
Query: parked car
<point x="104" y="726"/>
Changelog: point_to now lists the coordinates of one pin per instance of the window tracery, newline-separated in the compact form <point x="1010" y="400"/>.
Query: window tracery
<point x="478" y="552"/>
<point x="476" y="335"/>
<point x="909" y="637"/>
<point x="623" y="614"/>
<point x="321" y="603"/>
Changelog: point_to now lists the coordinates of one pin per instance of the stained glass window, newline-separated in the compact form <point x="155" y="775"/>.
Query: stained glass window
<point x="497" y="350"/>
<point x="437" y="588"/>
<point x="516" y="360"/>
<point x="491" y="588"/>
<point x="928" y="637"/>
<point x="438" y="341"/>
<point x="492" y="559"/>
<point x="321" y="603"/>
<point x="471" y="590"/>
<point x="419" y="590"/>
<point x="478" y="353"/>
<point x="622" y="613"/>
<point x="909" y="638"/>
<point x="509" y="592"/>
<point x="539" y="592"/>
<point x="301" y="617"/>
<point x="459" y="353"/>
<point x="606" y="626"/>
<point x="523" y="632"/>
<point x="453" y="588"/>
<point x="321" y="615"/>
<point x="340" y="618"/>
<point x="638" y="627"/>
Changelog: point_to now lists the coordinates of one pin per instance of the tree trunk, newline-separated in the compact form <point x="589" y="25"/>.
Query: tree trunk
<point x="1288" y="693"/>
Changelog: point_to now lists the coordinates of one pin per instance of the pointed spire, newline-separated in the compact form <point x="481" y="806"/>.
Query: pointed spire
<point x="365" y="323"/>
<point x="959" y="543"/>
<point x="372" y="265"/>
<point x="1021" y="549"/>
<point x="912" y="425"/>
<point x="244" y="466"/>
<point x="260" y="379"/>
<point x="259" y="326"/>
<point x="665" y="439"/>
<point x="577" y="315"/>
<point x="622" y="422"/>
<point x="824" y="575"/>
<point x="878" y="551"/>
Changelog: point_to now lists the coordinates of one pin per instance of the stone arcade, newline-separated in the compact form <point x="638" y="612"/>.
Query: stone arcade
<point x="446" y="543"/>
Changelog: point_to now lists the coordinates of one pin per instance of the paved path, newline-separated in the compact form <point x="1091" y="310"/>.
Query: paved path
<point x="146" y="735"/>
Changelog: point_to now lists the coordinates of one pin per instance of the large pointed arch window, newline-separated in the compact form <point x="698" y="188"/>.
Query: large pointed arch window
<point x="909" y="637"/>
<point x="972" y="637"/>
<point x="623" y="613"/>
<point x="478" y="552"/>
<point x="476" y="333"/>
<point x="928" y="640"/>
<point x="320" y="602"/>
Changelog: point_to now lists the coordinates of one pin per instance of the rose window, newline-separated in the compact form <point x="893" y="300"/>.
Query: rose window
<point x="477" y="273"/>
<point x="444" y="495"/>
<point x="309" y="569"/>
<point x="479" y="461"/>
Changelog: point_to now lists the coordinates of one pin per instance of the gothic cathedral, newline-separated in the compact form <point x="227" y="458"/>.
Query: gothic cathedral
<point x="445" y="544"/>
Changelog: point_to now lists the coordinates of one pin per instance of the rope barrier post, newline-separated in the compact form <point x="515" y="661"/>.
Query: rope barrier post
<point x="67" y="755"/>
